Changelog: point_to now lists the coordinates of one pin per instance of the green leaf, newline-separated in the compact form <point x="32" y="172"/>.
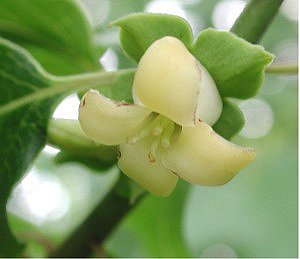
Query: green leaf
<point x="236" y="65"/>
<point x="57" y="29"/>
<point x="22" y="128"/>
<point x="28" y="97"/>
<point x="231" y="120"/>
<point x="139" y="31"/>
<point x="76" y="146"/>
<point x="54" y="61"/>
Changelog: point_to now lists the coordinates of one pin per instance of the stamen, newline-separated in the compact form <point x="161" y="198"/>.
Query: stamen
<point x="161" y="128"/>
<point x="167" y="134"/>
<point x="176" y="132"/>
<point x="153" y="149"/>
<point x="157" y="130"/>
<point x="135" y="138"/>
<point x="157" y="127"/>
<point x="161" y="124"/>
<point x="144" y="132"/>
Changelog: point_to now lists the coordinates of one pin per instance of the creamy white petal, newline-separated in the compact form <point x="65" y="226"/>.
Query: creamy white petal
<point x="210" y="103"/>
<point x="201" y="156"/>
<point x="167" y="80"/>
<point x="134" y="161"/>
<point x="170" y="81"/>
<point x="109" y="122"/>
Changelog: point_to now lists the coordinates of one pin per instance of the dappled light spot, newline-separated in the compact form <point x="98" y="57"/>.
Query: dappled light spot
<point x="226" y="12"/>
<point x="176" y="7"/>
<point x="77" y="182"/>
<point x="259" y="118"/>
<point x="39" y="198"/>
<point x="50" y="150"/>
<point x="67" y="109"/>
<point x="109" y="60"/>
<point x="166" y="6"/>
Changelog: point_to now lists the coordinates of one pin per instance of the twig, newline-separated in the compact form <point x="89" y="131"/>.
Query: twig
<point x="283" y="68"/>
<point x="97" y="226"/>
<point x="255" y="19"/>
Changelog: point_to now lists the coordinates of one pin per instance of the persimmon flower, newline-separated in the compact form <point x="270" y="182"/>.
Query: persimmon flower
<point x="167" y="133"/>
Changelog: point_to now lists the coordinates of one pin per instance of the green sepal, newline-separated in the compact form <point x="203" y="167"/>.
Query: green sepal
<point x="121" y="89"/>
<point x="236" y="65"/>
<point x="139" y="31"/>
<point x="231" y="120"/>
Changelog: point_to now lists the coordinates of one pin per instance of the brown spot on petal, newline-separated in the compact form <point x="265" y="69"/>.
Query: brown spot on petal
<point x="173" y="172"/>
<point x="151" y="158"/>
<point x="197" y="66"/>
<point x="122" y="103"/>
<point x="82" y="103"/>
<point x="119" y="154"/>
<point x="198" y="91"/>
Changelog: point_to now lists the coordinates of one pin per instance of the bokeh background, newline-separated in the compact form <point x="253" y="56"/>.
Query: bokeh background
<point x="255" y="215"/>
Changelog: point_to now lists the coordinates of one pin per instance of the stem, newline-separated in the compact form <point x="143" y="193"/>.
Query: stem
<point x="65" y="85"/>
<point x="88" y="79"/>
<point x="283" y="68"/>
<point x="107" y="215"/>
<point x="255" y="19"/>
<point x="97" y="226"/>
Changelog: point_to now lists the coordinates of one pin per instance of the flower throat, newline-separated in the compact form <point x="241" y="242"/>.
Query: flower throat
<point x="161" y="129"/>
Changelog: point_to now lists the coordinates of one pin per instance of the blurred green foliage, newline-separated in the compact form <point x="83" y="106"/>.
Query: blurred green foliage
<point x="255" y="214"/>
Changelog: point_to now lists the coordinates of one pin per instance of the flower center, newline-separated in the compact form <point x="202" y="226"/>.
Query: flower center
<point x="161" y="129"/>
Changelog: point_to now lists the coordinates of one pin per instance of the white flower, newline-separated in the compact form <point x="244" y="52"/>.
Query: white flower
<point x="166" y="134"/>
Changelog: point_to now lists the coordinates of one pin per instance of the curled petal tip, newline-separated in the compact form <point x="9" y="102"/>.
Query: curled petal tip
<point x="106" y="121"/>
<point x="201" y="156"/>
